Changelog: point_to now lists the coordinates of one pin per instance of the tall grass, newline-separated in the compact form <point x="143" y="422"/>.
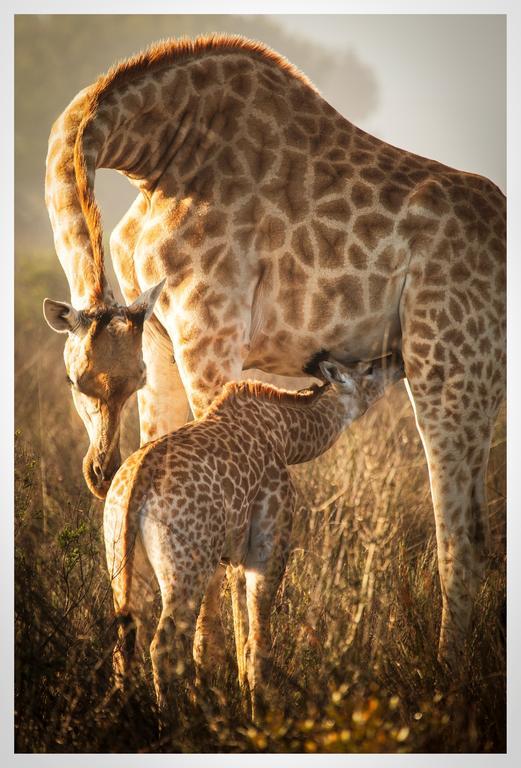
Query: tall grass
<point x="355" y="622"/>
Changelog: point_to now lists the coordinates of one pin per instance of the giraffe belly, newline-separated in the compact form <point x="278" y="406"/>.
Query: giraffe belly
<point x="288" y="352"/>
<point x="347" y="314"/>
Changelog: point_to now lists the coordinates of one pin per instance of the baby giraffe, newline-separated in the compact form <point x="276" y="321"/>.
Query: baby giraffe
<point x="181" y="505"/>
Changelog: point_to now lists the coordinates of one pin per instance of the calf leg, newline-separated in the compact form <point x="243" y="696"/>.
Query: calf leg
<point x="264" y="568"/>
<point x="209" y="644"/>
<point x="183" y="583"/>
<point x="236" y="580"/>
<point x="135" y="627"/>
<point x="171" y="650"/>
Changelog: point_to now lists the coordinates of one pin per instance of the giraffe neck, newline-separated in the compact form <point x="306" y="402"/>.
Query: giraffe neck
<point x="135" y="127"/>
<point x="301" y="425"/>
<point x="310" y="427"/>
<point x="72" y="236"/>
<point x="163" y="109"/>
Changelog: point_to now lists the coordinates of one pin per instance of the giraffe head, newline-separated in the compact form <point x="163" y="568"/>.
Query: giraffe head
<point x="359" y="385"/>
<point x="104" y="363"/>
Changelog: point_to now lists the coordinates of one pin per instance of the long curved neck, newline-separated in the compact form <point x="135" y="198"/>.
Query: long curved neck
<point x="301" y="425"/>
<point x="309" y="429"/>
<point x="169" y="108"/>
<point x="72" y="236"/>
<point x="134" y="126"/>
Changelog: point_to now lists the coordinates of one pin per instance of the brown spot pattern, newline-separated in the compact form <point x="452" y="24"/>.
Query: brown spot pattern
<point x="371" y="228"/>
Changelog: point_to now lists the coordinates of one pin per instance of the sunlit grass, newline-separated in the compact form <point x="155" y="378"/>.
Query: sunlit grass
<point x="355" y="622"/>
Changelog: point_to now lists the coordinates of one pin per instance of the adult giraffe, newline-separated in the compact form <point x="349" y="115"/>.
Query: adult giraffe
<point x="285" y="234"/>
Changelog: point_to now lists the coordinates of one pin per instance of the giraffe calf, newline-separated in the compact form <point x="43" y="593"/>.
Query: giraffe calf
<point x="181" y="505"/>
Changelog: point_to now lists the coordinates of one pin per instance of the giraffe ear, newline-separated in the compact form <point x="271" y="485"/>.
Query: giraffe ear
<point x="334" y="375"/>
<point x="146" y="302"/>
<point x="61" y="316"/>
<point x="365" y="368"/>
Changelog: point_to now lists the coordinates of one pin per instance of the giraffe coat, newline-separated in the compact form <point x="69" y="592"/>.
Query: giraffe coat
<point x="286" y="234"/>
<point x="188" y="497"/>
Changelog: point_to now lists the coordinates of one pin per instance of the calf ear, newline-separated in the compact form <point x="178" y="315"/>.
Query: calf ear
<point x="61" y="316"/>
<point x="334" y="375"/>
<point x="147" y="300"/>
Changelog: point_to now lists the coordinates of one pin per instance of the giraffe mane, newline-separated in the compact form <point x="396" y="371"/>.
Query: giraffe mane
<point x="172" y="50"/>
<point x="156" y="56"/>
<point x="258" y="390"/>
<point x="90" y="208"/>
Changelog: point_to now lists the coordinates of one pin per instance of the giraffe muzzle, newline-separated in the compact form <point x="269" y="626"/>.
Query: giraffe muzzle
<point x="99" y="469"/>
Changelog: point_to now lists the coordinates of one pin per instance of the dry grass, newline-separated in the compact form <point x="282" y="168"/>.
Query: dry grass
<point x="354" y="625"/>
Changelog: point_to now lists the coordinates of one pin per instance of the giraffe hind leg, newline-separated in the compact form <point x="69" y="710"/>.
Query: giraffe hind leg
<point x="171" y="650"/>
<point x="183" y="584"/>
<point x="457" y="468"/>
<point x="264" y="567"/>
<point x="456" y="397"/>
<point x="135" y="623"/>
<point x="209" y="641"/>
<point x="236" y="580"/>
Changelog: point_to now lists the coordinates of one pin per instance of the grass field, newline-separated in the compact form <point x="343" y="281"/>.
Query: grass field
<point x="355" y="622"/>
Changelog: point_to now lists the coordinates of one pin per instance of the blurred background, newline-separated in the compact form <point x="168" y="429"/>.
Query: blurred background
<point x="434" y="85"/>
<point x="356" y="621"/>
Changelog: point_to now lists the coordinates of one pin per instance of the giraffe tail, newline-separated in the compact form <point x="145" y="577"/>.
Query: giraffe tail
<point x="123" y="504"/>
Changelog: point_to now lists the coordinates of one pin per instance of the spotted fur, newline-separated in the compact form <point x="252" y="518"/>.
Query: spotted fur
<point x="188" y="497"/>
<point x="284" y="230"/>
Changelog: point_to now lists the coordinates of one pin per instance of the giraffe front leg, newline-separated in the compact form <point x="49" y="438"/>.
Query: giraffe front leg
<point x="208" y="356"/>
<point x="264" y="567"/>
<point x="163" y="404"/>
